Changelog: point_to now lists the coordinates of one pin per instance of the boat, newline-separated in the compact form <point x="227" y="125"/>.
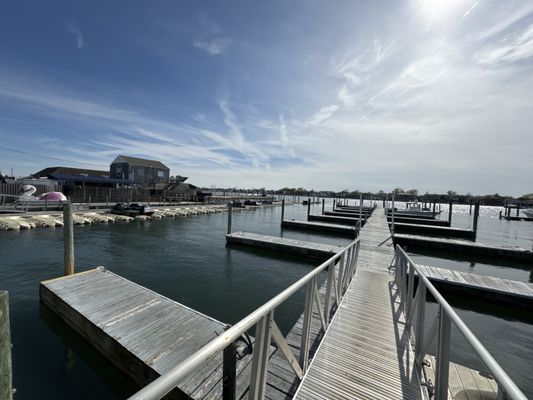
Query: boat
<point x="528" y="212"/>
<point x="250" y="203"/>
<point x="237" y="204"/>
<point x="131" y="209"/>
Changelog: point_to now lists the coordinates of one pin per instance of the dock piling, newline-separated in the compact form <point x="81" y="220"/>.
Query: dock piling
<point x="68" y="228"/>
<point x="476" y="217"/>
<point x="229" y="372"/>
<point x="323" y="205"/>
<point x="434" y="208"/>
<point x="450" y="213"/>
<point x="230" y="209"/>
<point x="6" y="377"/>
<point x="282" y="209"/>
<point x="308" y="207"/>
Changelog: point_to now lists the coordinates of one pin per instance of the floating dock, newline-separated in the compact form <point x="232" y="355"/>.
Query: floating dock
<point x="418" y="221"/>
<point x="349" y="231"/>
<point x="414" y="242"/>
<point x="505" y="290"/>
<point x="141" y="332"/>
<point x="438" y="231"/>
<point x="289" y="246"/>
<point x="346" y="214"/>
<point x="334" y="219"/>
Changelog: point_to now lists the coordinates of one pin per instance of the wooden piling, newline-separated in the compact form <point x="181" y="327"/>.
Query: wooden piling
<point x="6" y="375"/>
<point x="308" y="207"/>
<point x="323" y="205"/>
<point x="333" y="208"/>
<point x="450" y="213"/>
<point x="476" y="217"/>
<point x="68" y="229"/>
<point x="517" y="209"/>
<point x="229" y="373"/>
<point x="282" y="209"/>
<point x="230" y="209"/>
<point x="434" y="208"/>
<point x="470" y="210"/>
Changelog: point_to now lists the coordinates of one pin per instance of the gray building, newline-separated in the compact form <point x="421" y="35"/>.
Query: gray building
<point x="149" y="174"/>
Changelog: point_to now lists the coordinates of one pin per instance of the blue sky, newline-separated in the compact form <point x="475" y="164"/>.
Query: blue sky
<point x="426" y="94"/>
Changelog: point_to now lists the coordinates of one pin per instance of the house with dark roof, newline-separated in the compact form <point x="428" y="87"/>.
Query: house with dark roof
<point x="150" y="174"/>
<point x="80" y="176"/>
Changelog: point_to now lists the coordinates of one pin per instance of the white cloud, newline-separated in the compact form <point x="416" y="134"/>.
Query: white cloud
<point x="213" y="46"/>
<point x="470" y="9"/>
<point x="75" y="30"/>
<point x="323" y="114"/>
<point x="512" y="48"/>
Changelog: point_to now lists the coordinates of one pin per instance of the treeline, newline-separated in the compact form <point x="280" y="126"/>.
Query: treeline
<point x="412" y="194"/>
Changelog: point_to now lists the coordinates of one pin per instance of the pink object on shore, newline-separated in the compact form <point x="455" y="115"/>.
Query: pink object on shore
<point x="52" y="196"/>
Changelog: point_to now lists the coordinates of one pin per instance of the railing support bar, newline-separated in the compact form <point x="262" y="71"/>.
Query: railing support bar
<point x="420" y="324"/>
<point x="443" y="356"/>
<point x="306" y="330"/>
<point x="260" y="357"/>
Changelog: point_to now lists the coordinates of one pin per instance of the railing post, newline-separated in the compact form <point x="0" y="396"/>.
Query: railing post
<point x="342" y="262"/>
<point x="230" y="209"/>
<point x="410" y="289"/>
<point x="229" y="372"/>
<point x="392" y="216"/>
<point x="329" y="286"/>
<point x="6" y="377"/>
<point x="306" y="329"/>
<point x="263" y="334"/>
<point x="443" y="356"/>
<point x="420" y="320"/>
<point x="68" y="229"/>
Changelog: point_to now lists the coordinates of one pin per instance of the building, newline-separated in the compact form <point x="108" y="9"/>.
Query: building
<point x="149" y="174"/>
<point x="78" y="177"/>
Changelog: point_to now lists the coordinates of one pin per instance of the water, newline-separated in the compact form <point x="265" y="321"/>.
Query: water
<point x="186" y="259"/>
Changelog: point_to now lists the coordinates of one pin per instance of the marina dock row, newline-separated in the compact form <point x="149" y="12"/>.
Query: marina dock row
<point x="354" y="338"/>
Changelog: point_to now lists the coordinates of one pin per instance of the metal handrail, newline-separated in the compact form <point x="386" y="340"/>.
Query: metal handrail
<point x="405" y="269"/>
<point x="263" y="318"/>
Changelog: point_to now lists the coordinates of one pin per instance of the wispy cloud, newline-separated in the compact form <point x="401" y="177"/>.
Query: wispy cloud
<point x="323" y="114"/>
<point x="214" y="46"/>
<point x="470" y="9"/>
<point x="75" y="30"/>
<point x="511" y="48"/>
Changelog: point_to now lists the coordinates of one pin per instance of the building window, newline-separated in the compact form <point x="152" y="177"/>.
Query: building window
<point x="118" y="169"/>
<point x="161" y="174"/>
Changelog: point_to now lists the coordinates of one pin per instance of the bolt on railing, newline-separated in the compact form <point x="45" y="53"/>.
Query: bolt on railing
<point x="411" y="302"/>
<point x="266" y="329"/>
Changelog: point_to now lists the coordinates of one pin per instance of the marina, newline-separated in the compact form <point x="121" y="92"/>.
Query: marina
<point x="374" y="256"/>
<point x="266" y="200"/>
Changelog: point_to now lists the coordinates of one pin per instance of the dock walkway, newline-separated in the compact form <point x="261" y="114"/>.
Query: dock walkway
<point x="142" y="333"/>
<point x="365" y="352"/>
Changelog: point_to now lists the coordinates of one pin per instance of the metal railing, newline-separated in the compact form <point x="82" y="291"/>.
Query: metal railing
<point x="412" y="303"/>
<point x="341" y="268"/>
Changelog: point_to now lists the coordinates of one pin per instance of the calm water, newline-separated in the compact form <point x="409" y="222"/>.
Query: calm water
<point x="186" y="259"/>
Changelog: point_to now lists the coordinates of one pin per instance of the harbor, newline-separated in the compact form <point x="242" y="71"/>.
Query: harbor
<point x="294" y="264"/>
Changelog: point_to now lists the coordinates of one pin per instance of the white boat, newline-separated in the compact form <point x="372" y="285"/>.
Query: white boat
<point x="528" y="212"/>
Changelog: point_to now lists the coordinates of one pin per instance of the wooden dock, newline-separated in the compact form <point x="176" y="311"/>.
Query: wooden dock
<point x="472" y="249"/>
<point x="418" y="221"/>
<point x="289" y="246"/>
<point x="331" y="219"/>
<point x="436" y="231"/>
<point x="344" y="230"/>
<point x="407" y="214"/>
<point x="500" y="289"/>
<point x="364" y="216"/>
<point x="141" y="332"/>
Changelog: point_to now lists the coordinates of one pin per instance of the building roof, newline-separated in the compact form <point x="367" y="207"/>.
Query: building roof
<point x="93" y="179"/>
<point x="44" y="173"/>
<point x="141" y="162"/>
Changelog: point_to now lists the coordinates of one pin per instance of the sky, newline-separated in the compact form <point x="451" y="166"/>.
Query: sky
<point x="331" y="95"/>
